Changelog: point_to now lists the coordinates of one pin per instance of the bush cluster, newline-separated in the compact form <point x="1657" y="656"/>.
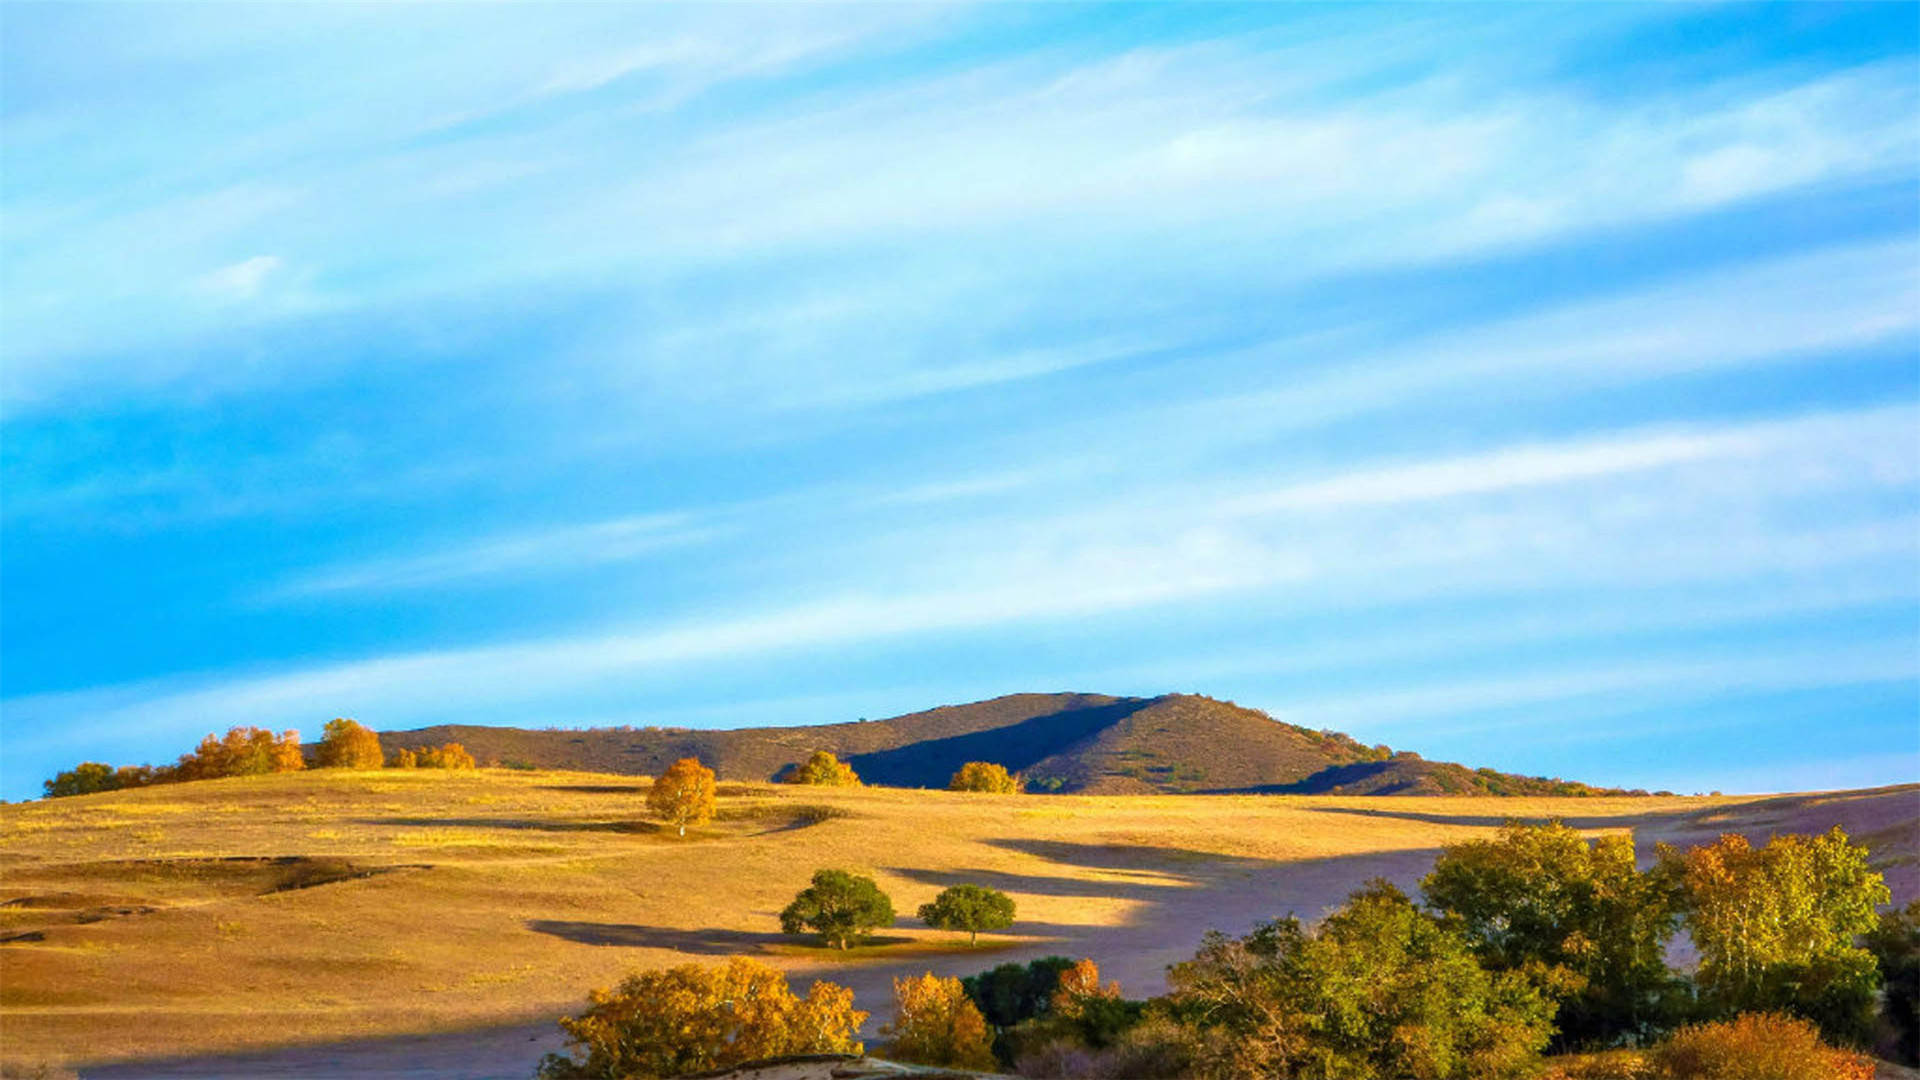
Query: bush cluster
<point x="450" y="756"/>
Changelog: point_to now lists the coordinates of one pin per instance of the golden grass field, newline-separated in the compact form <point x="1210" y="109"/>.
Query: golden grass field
<point x="326" y="907"/>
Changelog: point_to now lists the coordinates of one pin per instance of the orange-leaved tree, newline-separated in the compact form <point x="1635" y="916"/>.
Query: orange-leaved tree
<point x="683" y="795"/>
<point x="243" y="751"/>
<point x="936" y="1023"/>
<point x="1079" y="985"/>
<point x="346" y="744"/>
<point x="697" y="1017"/>
<point x="986" y="776"/>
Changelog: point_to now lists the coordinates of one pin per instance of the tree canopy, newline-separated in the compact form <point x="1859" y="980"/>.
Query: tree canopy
<point x="841" y="907"/>
<point x="683" y="795"/>
<point x="935" y="1023"/>
<point x="971" y="908"/>
<point x="824" y="769"/>
<point x="697" y="1017"/>
<point x="346" y="744"/>
<point x="985" y="776"/>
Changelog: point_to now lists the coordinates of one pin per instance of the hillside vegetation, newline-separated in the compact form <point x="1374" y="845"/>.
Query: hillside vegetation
<point x="1063" y="743"/>
<point x="283" y="908"/>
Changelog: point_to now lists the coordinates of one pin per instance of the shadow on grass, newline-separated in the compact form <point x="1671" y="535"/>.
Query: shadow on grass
<point x="644" y="828"/>
<point x="703" y="942"/>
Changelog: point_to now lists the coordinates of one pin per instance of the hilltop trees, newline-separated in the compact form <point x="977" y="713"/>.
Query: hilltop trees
<point x="1775" y="927"/>
<point x="841" y="907"/>
<point x="697" y="1017"/>
<point x="85" y="778"/>
<point x="824" y="769"/>
<point x="971" y="908"/>
<point x="345" y="744"/>
<point x="985" y="776"/>
<point x="243" y="751"/>
<point x="935" y="1023"/>
<point x="450" y="756"/>
<point x="1543" y="896"/>
<point x="683" y="795"/>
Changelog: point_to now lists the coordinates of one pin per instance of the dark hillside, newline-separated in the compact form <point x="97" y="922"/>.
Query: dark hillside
<point x="1066" y="743"/>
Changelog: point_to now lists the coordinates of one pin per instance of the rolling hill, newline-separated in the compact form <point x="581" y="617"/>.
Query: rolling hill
<point x="1068" y="743"/>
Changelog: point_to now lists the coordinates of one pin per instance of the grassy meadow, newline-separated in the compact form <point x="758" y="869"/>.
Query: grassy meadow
<point x="330" y="905"/>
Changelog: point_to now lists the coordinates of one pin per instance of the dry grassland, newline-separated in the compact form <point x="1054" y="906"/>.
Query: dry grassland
<point x="325" y="906"/>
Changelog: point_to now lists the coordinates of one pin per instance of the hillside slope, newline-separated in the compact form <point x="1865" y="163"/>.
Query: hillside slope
<point x="1068" y="743"/>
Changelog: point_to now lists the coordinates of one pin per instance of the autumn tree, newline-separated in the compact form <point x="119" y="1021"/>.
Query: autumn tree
<point x="971" y="908"/>
<point x="935" y="1023"/>
<point x="1379" y="989"/>
<point x="85" y="778"/>
<point x="1544" y="895"/>
<point x="243" y="751"/>
<point x="404" y="759"/>
<point x="1775" y="927"/>
<point x="1769" y="1045"/>
<point x="1080" y="986"/>
<point x="346" y="744"/>
<point x="683" y="795"/>
<point x="697" y="1017"/>
<point x="986" y="776"/>
<point x="450" y="756"/>
<point x="824" y="769"/>
<point x="841" y="907"/>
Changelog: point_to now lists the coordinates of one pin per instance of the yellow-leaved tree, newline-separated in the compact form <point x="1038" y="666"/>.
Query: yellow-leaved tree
<point x="683" y="795"/>
<point x="824" y="769"/>
<point x="697" y="1017"/>
<point x="346" y="744"/>
<point x="936" y="1023"/>
<point x="986" y="776"/>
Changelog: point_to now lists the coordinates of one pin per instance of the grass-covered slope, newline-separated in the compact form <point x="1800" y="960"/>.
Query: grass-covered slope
<point x="1176" y="743"/>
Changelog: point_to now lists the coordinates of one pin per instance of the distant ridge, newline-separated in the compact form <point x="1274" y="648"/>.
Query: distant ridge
<point x="1067" y="743"/>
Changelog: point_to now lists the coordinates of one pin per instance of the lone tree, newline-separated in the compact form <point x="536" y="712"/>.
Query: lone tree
<point x="826" y="770"/>
<point x="346" y="744"/>
<point x="839" y="906"/>
<point x="683" y="795"/>
<point x="986" y="776"/>
<point x="972" y="908"/>
<point x="935" y="1023"/>
<point x="697" y="1017"/>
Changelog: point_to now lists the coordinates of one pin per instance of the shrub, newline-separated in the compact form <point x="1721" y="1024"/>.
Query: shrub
<point x="1011" y="993"/>
<point x="1756" y="1046"/>
<point x="683" y="795"/>
<point x="985" y="776"/>
<point x="450" y="756"/>
<point x="971" y="908"/>
<point x="1545" y="895"/>
<point x="1775" y="927"/>
<point x="85" y="778"/>
<point x="825" y="769"/>
<point x="345" y="744"/>
<point x="697" y="1017"/>
<point x="839" y="906"/>
<point x="934" y="1023"/>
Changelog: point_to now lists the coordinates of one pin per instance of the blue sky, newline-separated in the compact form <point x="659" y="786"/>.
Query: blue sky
<point x="1533" y="386"/>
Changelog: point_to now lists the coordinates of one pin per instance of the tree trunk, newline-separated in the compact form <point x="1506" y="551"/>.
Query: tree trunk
<point x="975" y="939"/>
<point x="683" y="828"/>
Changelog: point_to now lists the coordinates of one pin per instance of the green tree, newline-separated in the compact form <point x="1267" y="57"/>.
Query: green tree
<point x="985" y="776"/>
<point x="824" y="769"/>
<point x="1380" y="989"/>
<point x="1775" y="926"/>
<point x="971" y="908"/>
<point x="839" y="906"/>
<point x="85" y="778"/>
<point x="1011" y="993"/>
<point x="683" y="795"/>
<point x="1895" y="945"/>
<point x="345" y="744"/>
<point x="1544" y="895"/>
<point x="698" y="1017"/>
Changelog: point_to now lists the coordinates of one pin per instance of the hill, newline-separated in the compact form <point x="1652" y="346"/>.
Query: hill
<point x="1066" y="743"/>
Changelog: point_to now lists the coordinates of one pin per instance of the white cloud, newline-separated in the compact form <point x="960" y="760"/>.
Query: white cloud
<point x="242" y="280"/>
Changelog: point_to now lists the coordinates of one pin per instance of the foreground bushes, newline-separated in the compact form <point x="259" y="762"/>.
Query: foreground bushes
<point x="935" y="1023"/>
<point x="697" y="1017"/>
<point x="1756" y="1046"/>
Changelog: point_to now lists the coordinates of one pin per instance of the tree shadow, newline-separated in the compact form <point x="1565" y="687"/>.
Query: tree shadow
<point x="643" y="828"/>
<point x="703" y="942"/>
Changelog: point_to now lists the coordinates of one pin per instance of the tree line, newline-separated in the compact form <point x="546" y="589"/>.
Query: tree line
<point x="1538" y="941"/>
<point x="253" y="751"/>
